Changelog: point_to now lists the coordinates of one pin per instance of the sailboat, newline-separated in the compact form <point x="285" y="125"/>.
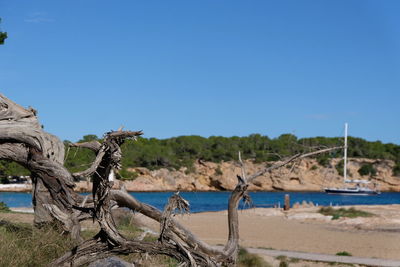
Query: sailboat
<point x="360" y="187"/>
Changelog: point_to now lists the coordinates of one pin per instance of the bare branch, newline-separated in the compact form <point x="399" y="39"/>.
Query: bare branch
<point x="92" y="169"/>
<point x="92" y="145"/>
<point x="128" y="201"/>
<point x="175" y="202"/>
<point x="243" y="167"/>
<point x="291" y="159"/>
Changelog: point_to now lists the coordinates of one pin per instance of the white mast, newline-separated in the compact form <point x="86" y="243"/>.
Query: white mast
<point x="345" y="152"/>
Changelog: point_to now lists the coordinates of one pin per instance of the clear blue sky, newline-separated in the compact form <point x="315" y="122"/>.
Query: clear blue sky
<point x="227" y="68"/>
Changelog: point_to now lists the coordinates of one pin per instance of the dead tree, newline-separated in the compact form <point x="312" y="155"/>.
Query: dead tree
<point x="23" y="140"/>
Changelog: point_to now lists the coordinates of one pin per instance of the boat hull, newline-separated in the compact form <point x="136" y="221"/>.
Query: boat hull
<point x="350" y="191"/>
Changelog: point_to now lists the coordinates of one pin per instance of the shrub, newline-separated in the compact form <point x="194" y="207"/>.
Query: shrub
<point x="314" y="167"/>
<point x="342" y="212"/>
<point x="367" y="169"/>
<point x="4" y="180"/>
<point x="4" y="207"/>
<point x="294" y="260"/>
<point x="340" y="167"/>
<point x="323" y="160"/>
<point x="396" y="169"/>
<point x="246" y="259"/>
<point x="281" y="258"/>
<point x="343" y="253"/>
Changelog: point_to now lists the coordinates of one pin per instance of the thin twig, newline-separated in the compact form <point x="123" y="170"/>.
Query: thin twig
<point x="243" y="167"/>
<point x="295" y="157"/>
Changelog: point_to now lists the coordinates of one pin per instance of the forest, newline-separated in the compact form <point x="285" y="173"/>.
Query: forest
<point x="183" y="151"/>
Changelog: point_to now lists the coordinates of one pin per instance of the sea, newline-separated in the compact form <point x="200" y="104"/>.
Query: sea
<point x="217" y="201"/>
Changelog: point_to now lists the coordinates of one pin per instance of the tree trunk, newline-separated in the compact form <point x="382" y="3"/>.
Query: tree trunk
<point x="40" y="197"/>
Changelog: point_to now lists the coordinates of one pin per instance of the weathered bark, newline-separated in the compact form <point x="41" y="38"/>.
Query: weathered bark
<point x="22" y="140"/>
<point x="176" y="202"/>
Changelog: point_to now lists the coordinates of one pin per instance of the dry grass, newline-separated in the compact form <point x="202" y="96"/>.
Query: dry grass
<point x="22" y="245"/>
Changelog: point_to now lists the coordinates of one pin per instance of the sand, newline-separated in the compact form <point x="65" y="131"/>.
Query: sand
<point x="305" y="230"/>
<point x="302" y="230"/>
<point x="263" y="228"/>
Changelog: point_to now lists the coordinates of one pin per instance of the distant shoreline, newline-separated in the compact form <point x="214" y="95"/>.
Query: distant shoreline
<point x="203" y="201"/>
<point x="29" y="190"/>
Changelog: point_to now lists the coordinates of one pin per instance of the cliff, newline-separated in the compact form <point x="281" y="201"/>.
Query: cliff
<point x="306" y="175"/>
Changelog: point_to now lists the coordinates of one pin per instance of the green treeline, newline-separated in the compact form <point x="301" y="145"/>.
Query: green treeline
<point x="183" y="151"/>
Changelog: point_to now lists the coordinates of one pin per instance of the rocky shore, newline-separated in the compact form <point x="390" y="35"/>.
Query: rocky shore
<point x="306" y="175"/>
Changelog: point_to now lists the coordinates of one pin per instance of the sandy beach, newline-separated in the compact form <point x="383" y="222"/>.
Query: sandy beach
<point x="305" y="230"/>
<point x="301" y="229"/>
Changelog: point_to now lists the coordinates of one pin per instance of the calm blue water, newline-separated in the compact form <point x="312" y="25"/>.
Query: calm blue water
<point x="215" y="201"/>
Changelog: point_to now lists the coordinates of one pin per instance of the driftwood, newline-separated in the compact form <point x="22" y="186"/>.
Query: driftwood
<point x="23" y="140"/>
